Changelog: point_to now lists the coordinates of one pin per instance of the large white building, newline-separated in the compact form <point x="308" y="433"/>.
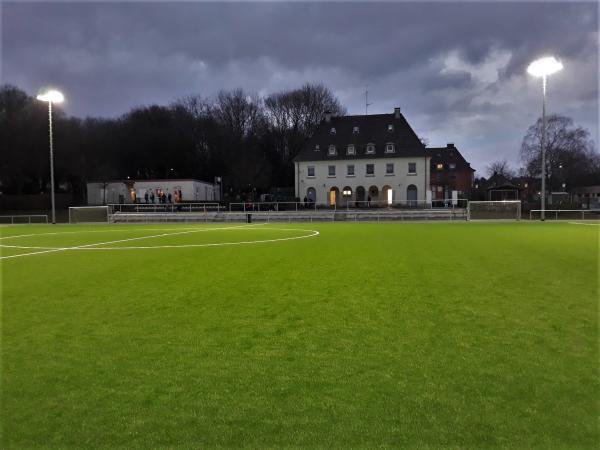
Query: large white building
<point x="376" y="158"/>
<point x="134" y="191"/>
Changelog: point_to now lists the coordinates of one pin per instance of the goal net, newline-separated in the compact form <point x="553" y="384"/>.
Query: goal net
<point x="495" y="210"/>
<point x="88" y="214"/>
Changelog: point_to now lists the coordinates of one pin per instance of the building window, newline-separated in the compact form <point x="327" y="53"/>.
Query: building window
<point x="317" y="148"/>
<point x="370" y="169"/>
<point x="332" y="131"/>
<point x="439" y="166"/>
<point x="390" y="128"/>
<point x="412" y="168"/>
<point x="310" y="171"/>
<point x="452" y="166"/>
<point x="332" y="150"/>
<point x="350" y="170"/>
<point x="389" y="148"/>
<point x="331" y="171"/>
<point x="389" y="168"/>
<point x="355" y="130"/>
<point x="347" y="191"/>
<point x="370" y="149"/>
<point x="350" y="150"/>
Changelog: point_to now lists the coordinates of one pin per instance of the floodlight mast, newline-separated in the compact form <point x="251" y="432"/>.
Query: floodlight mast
<point x="544" y="67"/>
<point x="50" y="97"/>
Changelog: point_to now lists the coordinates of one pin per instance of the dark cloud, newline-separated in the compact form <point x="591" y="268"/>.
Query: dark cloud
<point x="457" y="69"/>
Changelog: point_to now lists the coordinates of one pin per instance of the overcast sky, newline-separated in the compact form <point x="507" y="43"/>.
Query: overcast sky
<point x="457" y="70"/>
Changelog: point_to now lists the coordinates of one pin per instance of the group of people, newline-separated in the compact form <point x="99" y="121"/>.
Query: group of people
<point x="162" y="196"/>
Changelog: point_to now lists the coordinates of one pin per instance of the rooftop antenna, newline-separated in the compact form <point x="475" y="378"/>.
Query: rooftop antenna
<point x="367" y="104"/>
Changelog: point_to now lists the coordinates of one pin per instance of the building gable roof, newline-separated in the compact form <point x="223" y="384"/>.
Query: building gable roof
<point x="448" y="154"/>
<point x="372" y="129"/>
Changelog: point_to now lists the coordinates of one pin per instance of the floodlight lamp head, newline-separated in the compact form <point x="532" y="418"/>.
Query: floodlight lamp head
<point x="544" y="66"/>
<point x="51" y="96"/>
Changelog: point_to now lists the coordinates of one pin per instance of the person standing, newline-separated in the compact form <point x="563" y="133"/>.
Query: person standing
<point x="169" y="197"/>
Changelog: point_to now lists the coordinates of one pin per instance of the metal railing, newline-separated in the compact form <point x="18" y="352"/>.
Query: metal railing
<point x="24" y="219"/>
<point x="165" y="207"/>
<point x="319" y="215"/>
<point x="565" y="214"/>
<point x="347" y="205"/>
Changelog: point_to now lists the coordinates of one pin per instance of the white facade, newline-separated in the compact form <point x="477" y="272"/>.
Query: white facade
<point x="134" y="191"/>
<point x="407" y="179"/>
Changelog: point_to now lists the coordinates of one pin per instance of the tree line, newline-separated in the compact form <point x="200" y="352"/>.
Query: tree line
<point x="246" y="139"/>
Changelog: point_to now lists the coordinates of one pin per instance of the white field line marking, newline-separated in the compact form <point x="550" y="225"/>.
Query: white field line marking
<point x="86" y="246"/>
<point x="215" y="244"/>
<point x="582" y="223"/>
<point x="105" y="231"/>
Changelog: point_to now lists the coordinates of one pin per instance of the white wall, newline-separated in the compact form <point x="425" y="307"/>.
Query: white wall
<point x="398" y="182"/>
<point x="117" y="191"/>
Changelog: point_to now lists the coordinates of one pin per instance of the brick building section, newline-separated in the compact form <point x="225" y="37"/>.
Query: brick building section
<point x="449" y="172"/>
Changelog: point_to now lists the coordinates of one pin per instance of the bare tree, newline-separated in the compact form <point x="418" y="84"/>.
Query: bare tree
<point x="570" y="152"/>
<point x="500" y="167"/>
<point x="294" y="115"/>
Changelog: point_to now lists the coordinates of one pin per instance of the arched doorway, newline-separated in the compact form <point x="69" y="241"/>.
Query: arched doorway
<point x="334" y="196"/>
<point x="411" y="195"/>
<point x="373" y="195"/>
<point x="311" y="194"/>
<point x="360" y="196"/>
<point x="388" y="195"/>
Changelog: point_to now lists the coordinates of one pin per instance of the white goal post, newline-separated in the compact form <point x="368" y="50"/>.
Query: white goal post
<point x="494" y="210"/>
<point x="88" y="214"/>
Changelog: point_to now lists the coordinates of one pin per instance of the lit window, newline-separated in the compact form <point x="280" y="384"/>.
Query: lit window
<point x="370" y="169"/>
<point x="347" y="192"/>
<point x="332" y="131"/>
<point x="317" y="148"/>
<point x="439" y="166"/>
<point x="390" y="127"/>
<point x="350" y="150"/>
<point x="331" y="171"/>
<point x="389" y="168"/>
<point x="355" y="130"/>
<point x="412" y="168"/>
<point x="389" y="148"/>
<point x="310" y="171"/>
<point x="452" y="166"/>
<point x="332" y="150"/>
<point x="370" y="148"/>
<point x="350" y="170"/>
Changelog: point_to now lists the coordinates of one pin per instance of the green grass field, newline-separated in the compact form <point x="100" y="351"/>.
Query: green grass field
<point x="398" y="335"/>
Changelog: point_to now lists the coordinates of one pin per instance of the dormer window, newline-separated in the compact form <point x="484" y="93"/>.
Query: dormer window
<point x="332" y="151"/>
<point x="355" y="130"/>
<point x="389" y="148"/>
<point x="370" y="149"/>
<point x="390" y="128"/>
<point x="350" y="150"/>
<point x="332" y="131"/>
<point x="317" y="148"/>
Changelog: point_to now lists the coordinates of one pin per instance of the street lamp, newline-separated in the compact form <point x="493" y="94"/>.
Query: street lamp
<point x="544" y="67"/>
<point x="51" y="96"/>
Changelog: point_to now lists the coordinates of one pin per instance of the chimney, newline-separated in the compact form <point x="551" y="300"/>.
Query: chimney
<point x="327" y="116"/>
<point x="450" y="145"/>
<point x="396" y="113"/>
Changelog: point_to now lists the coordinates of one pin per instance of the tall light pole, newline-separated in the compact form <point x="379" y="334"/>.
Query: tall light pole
<point x="544" y="67"/>
<point x="51" y="96"/>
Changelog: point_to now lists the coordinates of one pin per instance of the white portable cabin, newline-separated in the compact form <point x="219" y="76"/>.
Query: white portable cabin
<point x="134" y="191"/>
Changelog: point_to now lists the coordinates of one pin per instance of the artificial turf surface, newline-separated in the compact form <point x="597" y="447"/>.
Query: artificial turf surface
<point x="404" y="335"/>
